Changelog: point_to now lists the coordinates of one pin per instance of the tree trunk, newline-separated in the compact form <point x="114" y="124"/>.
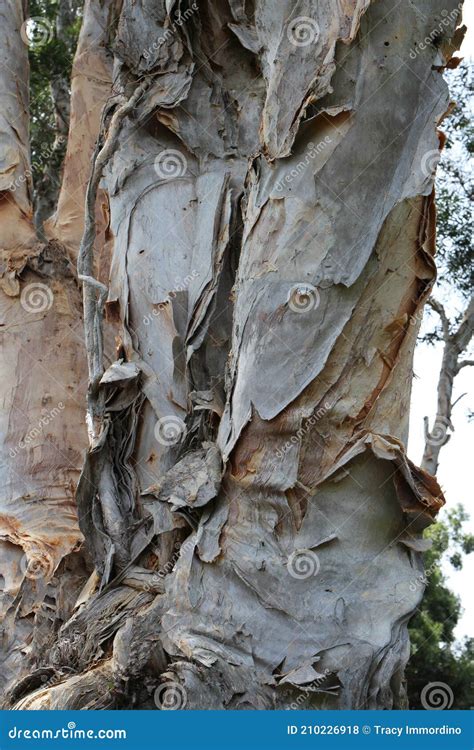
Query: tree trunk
<point x="43" y="380"/>
<point x="248" y="509"/>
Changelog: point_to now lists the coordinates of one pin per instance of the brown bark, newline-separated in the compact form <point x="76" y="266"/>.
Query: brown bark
<point x="91" y="84"/>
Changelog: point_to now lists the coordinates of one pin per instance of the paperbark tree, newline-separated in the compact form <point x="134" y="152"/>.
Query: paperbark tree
<point x="258" y="232"/>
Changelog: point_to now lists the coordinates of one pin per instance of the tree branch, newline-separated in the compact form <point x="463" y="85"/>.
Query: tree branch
<point x="457" y="401"/>
<point x="465" y="331"/>
<point x="438" y="307"/>
<point x="465" y="363"/>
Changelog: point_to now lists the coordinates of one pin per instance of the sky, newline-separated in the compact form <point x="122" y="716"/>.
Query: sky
<point x="456" y="458"/>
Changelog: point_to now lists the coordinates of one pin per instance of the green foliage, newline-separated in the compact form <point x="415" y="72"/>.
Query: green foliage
<point x="454" y="201"/>
<point x="455" y="187"/>
<point x="50" y="56"/>
<point x="436" y="657"/>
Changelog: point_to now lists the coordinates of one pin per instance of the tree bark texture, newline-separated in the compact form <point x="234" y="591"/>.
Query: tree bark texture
<point x="250" y="521"/>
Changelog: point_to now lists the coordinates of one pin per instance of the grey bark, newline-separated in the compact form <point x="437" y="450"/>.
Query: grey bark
<point x="253" y="521"/>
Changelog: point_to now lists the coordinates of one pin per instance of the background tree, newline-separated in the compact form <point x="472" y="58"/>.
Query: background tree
<point x="435" y="654"/>
<point x="455" y="257"/>
<point x="255" y="241"/>
<point x="52" y="37"/>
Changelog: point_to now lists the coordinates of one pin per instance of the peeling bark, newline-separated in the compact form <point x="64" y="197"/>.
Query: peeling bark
<point x="246" y="500"/>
